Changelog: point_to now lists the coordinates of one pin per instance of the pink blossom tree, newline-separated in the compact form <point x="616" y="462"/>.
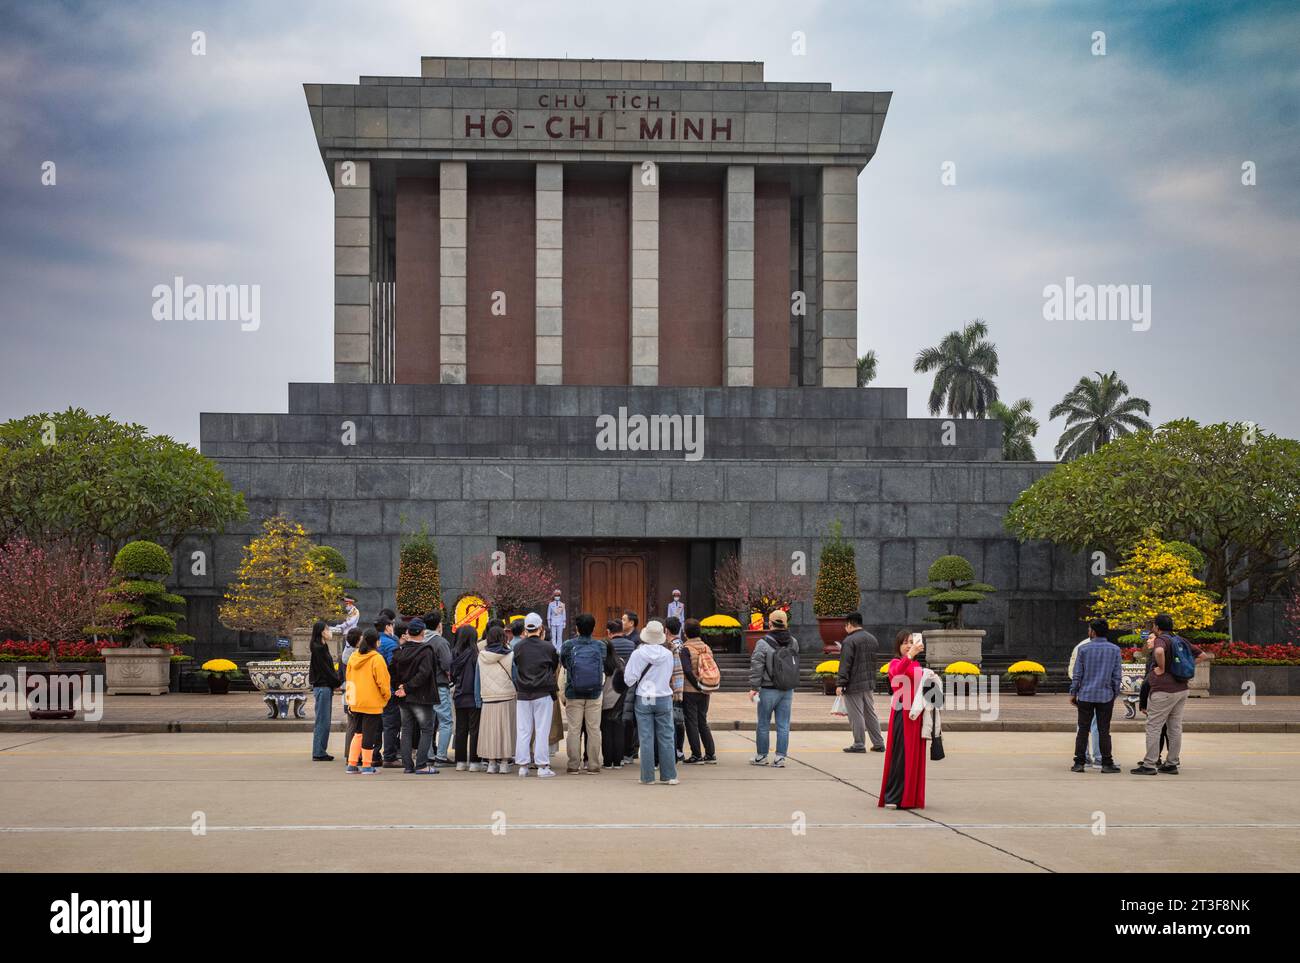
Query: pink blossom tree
<point x="53" y="592"/>
<point x="514" y="581"/>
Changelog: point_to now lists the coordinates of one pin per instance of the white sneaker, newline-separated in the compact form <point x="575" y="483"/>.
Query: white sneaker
<point x="460" y="767"/>
<point x="545" y="772"/>
<point x="476" y="767"/>
<point x="492" y="767"/>
<point x="669" y="782"/>
<point x="504" y="766"/>
<point x="523" y="771"/>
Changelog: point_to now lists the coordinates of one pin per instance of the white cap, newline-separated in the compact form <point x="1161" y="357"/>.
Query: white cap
<point x="532" y="621"/>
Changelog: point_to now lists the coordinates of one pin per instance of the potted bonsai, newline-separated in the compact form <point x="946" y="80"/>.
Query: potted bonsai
<point x="148" y="614"/>
<point x="952" y="587"/>
<point x="1026" y="675"/>
<point x="53" y="593"/>
<point x="281" y="585"/>
<point x="836" y="593"/>
<point x="219" y="673"/>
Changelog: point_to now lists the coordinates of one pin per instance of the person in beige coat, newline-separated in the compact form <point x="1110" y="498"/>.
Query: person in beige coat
<point x="496" y="728"/>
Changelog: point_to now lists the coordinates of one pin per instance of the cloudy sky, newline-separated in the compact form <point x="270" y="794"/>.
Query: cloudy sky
<point x="1117" y="169"/>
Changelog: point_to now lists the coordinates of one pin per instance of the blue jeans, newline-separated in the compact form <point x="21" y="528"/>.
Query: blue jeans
<point x="442" y="708"/>
<point x="320" y="732"/>
<point x="654" y="723"/>
<point x="769" y="701"/>
<point x="392" y="719"/>
<point x="416" y="716"/>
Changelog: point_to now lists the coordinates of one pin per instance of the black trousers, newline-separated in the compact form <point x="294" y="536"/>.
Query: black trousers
<point x="1102" y="711"/>
<point x="611" y="736"/>
<point x="695" y="706"/>
<point x="465" y="735"/>
<point x="371" y="725"/>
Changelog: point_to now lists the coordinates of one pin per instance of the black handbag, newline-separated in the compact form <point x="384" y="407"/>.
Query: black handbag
<point x="936" y="748"/>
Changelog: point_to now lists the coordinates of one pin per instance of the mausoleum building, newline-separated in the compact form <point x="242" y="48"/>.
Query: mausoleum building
<point x="526" y="250"/>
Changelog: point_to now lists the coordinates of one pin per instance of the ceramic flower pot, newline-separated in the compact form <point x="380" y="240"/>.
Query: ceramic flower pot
<point x="218" y="684"/>
<point x="1026" y="685"/>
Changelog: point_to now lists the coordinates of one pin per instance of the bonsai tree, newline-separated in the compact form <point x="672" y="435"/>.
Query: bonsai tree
<point x="952" y="587"/>
<point x="93" y="480"/>
<point x="53" y="593"/>
<point x="147" y="612"/>
<point x="517" y="581"/>
<point x="836" y="592"/>
<point x="281" y="584"/>
<point x="418" y="587"/>
<point x="1154" y="579"/>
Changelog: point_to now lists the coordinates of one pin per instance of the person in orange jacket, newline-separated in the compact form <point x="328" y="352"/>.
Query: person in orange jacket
<point x="366" y="693"/>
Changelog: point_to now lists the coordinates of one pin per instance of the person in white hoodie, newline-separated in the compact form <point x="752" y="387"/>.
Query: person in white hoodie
<point x="649" y="672"/>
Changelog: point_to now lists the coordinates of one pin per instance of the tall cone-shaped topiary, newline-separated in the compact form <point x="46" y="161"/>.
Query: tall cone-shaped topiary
<point x="836" y="593"/>
<point x="419" y="589"/>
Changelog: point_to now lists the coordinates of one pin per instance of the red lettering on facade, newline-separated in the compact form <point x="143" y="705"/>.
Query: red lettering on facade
<point x="471" y="125"/>
<point x="723" y="127"/>
<point x="655" y="132"/>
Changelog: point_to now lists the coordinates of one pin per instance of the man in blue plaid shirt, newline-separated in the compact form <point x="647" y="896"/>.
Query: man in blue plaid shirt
<point x="1093" y="689"/>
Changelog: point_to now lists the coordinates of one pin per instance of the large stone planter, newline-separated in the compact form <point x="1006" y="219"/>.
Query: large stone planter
<point x="284" y="686"/>
<point x="1199" y="686"/>
<point x="945" y="646"/>
<point x="145" y="671"/>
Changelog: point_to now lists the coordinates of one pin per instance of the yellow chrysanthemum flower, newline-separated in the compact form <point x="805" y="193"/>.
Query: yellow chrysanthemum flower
<point x="720" y="622"/>
<point x="962" y="668"/>
<point x="830" y="665"/>
<point x="1026" y="665"/>
<point x="219" y="665"/>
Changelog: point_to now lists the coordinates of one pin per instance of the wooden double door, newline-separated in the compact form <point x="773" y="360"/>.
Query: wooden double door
<point x="613" y="583"/>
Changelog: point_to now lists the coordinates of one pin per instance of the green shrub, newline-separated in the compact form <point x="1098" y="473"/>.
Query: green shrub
<point x="837" y="590"/>
<point x="143" y="558"/>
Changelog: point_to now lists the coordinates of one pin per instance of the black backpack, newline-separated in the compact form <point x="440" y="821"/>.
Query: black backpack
<point x="785" y="665"/>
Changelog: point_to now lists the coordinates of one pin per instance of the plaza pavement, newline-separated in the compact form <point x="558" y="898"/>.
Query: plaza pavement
<point x="246" y="712"/>
<point x="1001" y="801"/>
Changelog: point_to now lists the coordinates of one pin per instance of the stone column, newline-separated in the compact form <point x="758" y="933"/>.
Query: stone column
<point x="644" y="274"/>
<point x="353" y="206"/>
<point x="452" y="200"/>
<point x="738" y="294"/>
<point x="550" y="274"/>
<point x="837" y="298"/>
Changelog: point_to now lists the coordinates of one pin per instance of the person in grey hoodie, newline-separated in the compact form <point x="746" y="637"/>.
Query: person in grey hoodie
<point x="773" y="675"/>
<point x="649" y="673"/>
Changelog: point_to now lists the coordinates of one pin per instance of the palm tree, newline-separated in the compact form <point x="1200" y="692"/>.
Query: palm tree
<point x="1097" y="411"/>
<point x="867" y="368"/>
<point x="1018" y="429"/>
<point x="964" y="365"/>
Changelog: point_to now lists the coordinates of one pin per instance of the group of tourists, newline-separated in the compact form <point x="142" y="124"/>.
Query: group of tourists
<point x="502" y="701"/>
<point x="1096" y="679"/>
<point x="629" y="694"/>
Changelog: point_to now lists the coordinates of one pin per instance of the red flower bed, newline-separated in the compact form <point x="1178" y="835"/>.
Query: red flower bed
<point x="12" y="650"/>
<point x="1236" y="653"/>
